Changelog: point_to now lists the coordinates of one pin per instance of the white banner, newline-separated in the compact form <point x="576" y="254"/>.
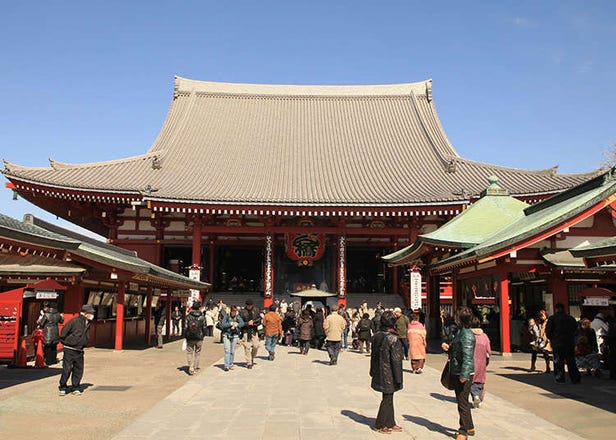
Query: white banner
<point x="415" y="290"/>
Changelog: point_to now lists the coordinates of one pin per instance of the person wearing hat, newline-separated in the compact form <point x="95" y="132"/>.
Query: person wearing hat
<point x="74" y="337"/>
<point x="250" y="334"/>
<point x="194" y="331"/>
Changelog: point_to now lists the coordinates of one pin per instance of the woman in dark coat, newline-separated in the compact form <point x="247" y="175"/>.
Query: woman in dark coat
<point x="51" y="333"/>
<point x="304" y="326"/>
<point x="462" y="365"/>
<point x="319" y="332"/>
<point x="364" y="333"/>
<point x="386" y="371"/>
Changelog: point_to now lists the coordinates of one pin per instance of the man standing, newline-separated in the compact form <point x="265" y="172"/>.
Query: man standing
<point x="334" y="326"/>
<point x="74" y="337"/>
<point x="176" y="320"/>
<point x="194" y="332"/>
<point x="402" y="324"/>
<point x="159" y="324"/>
<point x="272" y="323"/>
<point x="560" y="330"/>
<point x="250" y="335"/>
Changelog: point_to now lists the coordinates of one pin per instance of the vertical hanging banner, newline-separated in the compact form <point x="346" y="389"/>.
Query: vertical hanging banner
<point x="267" y="284"/>
<point x="194" y="273"/>
<point x="342" y="266"/>
<point x="415" y="278"/>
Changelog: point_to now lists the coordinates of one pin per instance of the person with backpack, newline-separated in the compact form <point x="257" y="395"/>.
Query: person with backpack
<point x="194" y="332"/>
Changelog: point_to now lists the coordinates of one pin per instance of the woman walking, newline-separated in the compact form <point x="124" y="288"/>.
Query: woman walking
<point x="462" y="367"/>
<point x="386" y="371"/>
<point x="539" y="343"/>
<point x="304" y="326"/>
<point x="416" y="335"/>
<point x="483" y="351"/>
<point x="232" y="324"/>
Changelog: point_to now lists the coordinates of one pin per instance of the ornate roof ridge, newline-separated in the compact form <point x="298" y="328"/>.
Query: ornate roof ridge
<point x="184" y="85"/>
<point x="551" y="171"/>
<point x="57" y="165"/>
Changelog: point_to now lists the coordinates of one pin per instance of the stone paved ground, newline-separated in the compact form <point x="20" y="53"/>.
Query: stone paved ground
<point x="146" y="394"/>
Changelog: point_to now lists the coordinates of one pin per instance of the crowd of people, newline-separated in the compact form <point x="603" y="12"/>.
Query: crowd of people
<point x="584" y="347"/>
<point x="388" y="336"/>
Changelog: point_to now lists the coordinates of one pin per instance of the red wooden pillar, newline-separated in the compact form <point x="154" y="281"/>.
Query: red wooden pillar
<point x="395" y="272"/>
<point x="212" y="253"/>
<point x="148" y="316"/>
<point x="558" y="288"/>
<point x="268" y="271"/>
<point x="196" y="242"/>
<point x="505" y="313"/>
<point x="119" y="330"/>
<point x="342" y="281"/>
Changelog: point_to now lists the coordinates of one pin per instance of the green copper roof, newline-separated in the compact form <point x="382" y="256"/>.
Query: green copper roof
<point x="600" y="248"/>
<point x="490" y="214"/>
<point x="540" y="218"/>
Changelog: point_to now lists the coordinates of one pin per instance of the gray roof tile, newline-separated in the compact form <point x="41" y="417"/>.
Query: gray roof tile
<point x="304" y="145"/>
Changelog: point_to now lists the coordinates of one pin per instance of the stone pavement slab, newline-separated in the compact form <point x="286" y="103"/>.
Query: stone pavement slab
<point x="302" y="397"/>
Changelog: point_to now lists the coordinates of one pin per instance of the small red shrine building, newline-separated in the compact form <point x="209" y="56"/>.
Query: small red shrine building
<point x="40" y="261"/>
<point x="273" y="188"/>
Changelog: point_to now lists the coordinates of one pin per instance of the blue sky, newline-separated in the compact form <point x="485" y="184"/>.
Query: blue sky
<point x="527" y="84"/>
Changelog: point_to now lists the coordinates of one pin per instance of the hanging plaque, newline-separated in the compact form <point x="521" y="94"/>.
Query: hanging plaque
<point x="305" y="247"/>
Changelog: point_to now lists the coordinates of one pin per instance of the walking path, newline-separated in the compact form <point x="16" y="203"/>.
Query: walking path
<point x="303" y="397"/>
<point x="145" y="393"/>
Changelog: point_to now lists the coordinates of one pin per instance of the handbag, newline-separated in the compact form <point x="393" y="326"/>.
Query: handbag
<point x="447" y="379"/>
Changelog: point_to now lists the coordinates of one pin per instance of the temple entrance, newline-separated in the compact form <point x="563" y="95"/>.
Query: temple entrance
<point x="239" y="269"/>
<point x="177" y="259"/>
<point x="294" y="276"/>
<point x="366" y="271"/>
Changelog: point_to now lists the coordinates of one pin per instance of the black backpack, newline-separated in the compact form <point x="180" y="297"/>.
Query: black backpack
<point x="194" y="327"/>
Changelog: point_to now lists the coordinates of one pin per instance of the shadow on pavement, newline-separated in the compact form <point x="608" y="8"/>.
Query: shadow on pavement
<point x="359" y="418"/>
<point x="591" y="391"/>
<point x="318" y="361"/>
<point x="434" y="427"/>
<point x="11" y="376"/>
<point x="443" y="397"/>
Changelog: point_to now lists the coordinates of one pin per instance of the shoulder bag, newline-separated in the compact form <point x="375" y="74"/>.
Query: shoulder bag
<point x="447" y="379"/>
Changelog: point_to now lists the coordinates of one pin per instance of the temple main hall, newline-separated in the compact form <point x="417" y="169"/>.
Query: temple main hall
<point x="274" y="188"/>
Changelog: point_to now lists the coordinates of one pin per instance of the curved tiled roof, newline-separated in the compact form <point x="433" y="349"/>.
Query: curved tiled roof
<point x="252" y="144"/>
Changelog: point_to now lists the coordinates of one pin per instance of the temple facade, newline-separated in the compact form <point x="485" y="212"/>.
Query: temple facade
<point x="275" y="188"/>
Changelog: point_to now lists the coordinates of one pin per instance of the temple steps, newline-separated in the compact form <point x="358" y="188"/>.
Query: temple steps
<point x="388" y="300"/>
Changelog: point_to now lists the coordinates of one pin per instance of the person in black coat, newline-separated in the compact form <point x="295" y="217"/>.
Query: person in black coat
<point x="51" y="333"/>
<point x="560" y="330"/>
<point x="319" y="332"/>
<point x="74" y="337"/>
<point x="386" y="371"/>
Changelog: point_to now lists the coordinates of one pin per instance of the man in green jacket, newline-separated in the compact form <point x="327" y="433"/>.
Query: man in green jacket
<point x="402" y="325"/>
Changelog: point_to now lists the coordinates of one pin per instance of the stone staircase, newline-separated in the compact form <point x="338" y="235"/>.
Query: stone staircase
<point x="389" y="301"/>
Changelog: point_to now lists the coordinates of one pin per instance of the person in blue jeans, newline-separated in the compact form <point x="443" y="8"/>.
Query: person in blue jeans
<point x="232" y="324"/>
<point x="272" y="324"/>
